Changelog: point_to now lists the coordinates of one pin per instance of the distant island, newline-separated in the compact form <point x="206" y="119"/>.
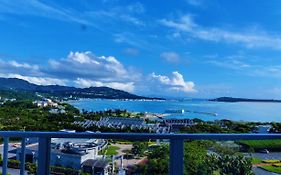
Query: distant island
<point x="231" y="99"/>
<point x="16" y="85"/>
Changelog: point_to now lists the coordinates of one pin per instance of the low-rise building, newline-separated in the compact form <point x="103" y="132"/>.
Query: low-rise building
<point x="71" y="153"/>
<point x="45" y="102"/>
<point x="122" y="123"/>
<point x="96" y="166"/>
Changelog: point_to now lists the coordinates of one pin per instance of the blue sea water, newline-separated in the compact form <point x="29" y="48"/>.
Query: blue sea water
<point x="240" y="111"/>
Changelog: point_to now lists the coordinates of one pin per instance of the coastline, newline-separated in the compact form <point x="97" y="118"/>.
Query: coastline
<point x="261" y="112"/>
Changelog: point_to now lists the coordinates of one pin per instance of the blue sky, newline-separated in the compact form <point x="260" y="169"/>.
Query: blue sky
<point x="183" y="48"/>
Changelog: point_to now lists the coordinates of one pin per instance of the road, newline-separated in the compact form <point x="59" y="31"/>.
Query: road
<point x="13" y="171"/>
<point x="263" y="156"/>
<point x="259" y="171"/>
<point x="10" y="170"/>
<point x="269" y="156"/>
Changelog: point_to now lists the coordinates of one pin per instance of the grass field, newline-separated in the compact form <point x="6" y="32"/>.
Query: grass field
<point x="256" y="161"/>
<point x="271" y="145"/>
<point x="111" y="150"/>
<point x="271" y="169"/>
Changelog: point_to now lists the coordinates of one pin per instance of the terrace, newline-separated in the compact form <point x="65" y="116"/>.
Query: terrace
<point x="176" y="166"/>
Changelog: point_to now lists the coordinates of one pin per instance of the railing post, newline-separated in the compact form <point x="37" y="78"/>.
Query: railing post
<point x="22" y="158"/>
<point x="176" y="166"/>
<point x="44" y="156"/>
<point x="5" y="156"/>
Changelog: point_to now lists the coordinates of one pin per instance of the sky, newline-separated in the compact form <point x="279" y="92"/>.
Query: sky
<point x="183" y="48"/>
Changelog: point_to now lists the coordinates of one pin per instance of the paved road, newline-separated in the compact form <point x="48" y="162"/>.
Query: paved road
<point x="259" y="171"/>
<point x="10" y="148"/>
<point x="10" y="170"/>
<point x="13" y="171"/>
<point x="269" y="156"/>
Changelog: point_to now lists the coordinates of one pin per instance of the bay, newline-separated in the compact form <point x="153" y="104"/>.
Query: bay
<point x="240" y="111"/>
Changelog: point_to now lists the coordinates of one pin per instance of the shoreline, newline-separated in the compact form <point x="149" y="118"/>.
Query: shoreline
<point x="204" y="110"/>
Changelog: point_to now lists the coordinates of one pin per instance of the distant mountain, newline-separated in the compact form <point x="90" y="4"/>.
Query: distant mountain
<point x="231" y="99"/>
<point x="66" y="91"/>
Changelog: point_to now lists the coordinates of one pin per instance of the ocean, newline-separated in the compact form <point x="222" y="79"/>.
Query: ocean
<point x="240" y="111"/>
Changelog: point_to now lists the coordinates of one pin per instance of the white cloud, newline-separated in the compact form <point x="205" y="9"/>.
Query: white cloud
<point x="19" y="68"/>
<point x="273" y="71"/>
<point x="41" y="9"/>
<point x="175" y="83"/>
<point x="251" y="39"/>
<point x="131" y="39"/>
<point x="129" y="86"/>
<point x="84" y="69"/>
<point x="23" y="65"/>
<point x="87" y="65"/>
<point x="170" y="56"/>
<point x="131" y="19"/>
<point x="245" y="68"/>
<point x="96" y="71"/>
<point x="127" y="14"/>
<point x="230" y="64"/>
<point x="28" y="72"/>
<point x="36" y="80"/>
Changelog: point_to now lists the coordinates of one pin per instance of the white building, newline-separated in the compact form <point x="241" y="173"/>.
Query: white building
<point x="70" y="153"/>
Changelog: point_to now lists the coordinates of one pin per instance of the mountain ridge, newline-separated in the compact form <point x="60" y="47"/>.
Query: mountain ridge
<point x="67" y="91"/>
<point x="232" y="99"/>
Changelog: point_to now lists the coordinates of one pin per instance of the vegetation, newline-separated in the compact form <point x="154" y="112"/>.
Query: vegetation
<point x="139" y="148"/>
<point x="221" y="126"/>
<point x="271" y="168"/>
<point x="114" y="113"/>
<point x="20" y="85"/>
<point x="23" y="115"/>
<point x="19" y="95"/>
<point x="277" y="164"/>
<point x="256" y="161"/>
<point x="271" y="161"/>
<point x="110" y="150"/>
<point x="257" y="145"/>
<point x="203" y="128"/>
<point x="276" y="128"/>
<point x="198" y="162"/>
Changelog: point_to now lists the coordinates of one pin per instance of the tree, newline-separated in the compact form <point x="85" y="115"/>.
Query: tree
<point x="198" y="162"/>
<point x="139" y="148"/>
<point x="235" y="165"/>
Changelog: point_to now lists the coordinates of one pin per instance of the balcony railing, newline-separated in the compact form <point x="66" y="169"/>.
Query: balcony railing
<point x="176" y="166"/>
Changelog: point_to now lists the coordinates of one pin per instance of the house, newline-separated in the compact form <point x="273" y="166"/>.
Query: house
<point x="122" y="123"/>
<point x="45" y="103"/>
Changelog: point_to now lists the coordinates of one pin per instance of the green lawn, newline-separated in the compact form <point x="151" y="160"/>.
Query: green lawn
<point x="110" y="150"/>
<point x="271" y="169"/>
<point x="256" y="161"/>
<point x="272" y="145"/>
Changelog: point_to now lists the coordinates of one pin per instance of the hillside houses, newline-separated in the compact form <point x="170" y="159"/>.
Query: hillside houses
<point x="45" y="103"/>
<point x="122" y="123"/>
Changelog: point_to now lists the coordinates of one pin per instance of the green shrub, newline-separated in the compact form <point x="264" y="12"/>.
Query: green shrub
<point x="31" y="167"/>
<point x="257" y="145"/>
<point x="271" y="161"/>
<point x="277" y="164"/>
<point x="66" y="171"/>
